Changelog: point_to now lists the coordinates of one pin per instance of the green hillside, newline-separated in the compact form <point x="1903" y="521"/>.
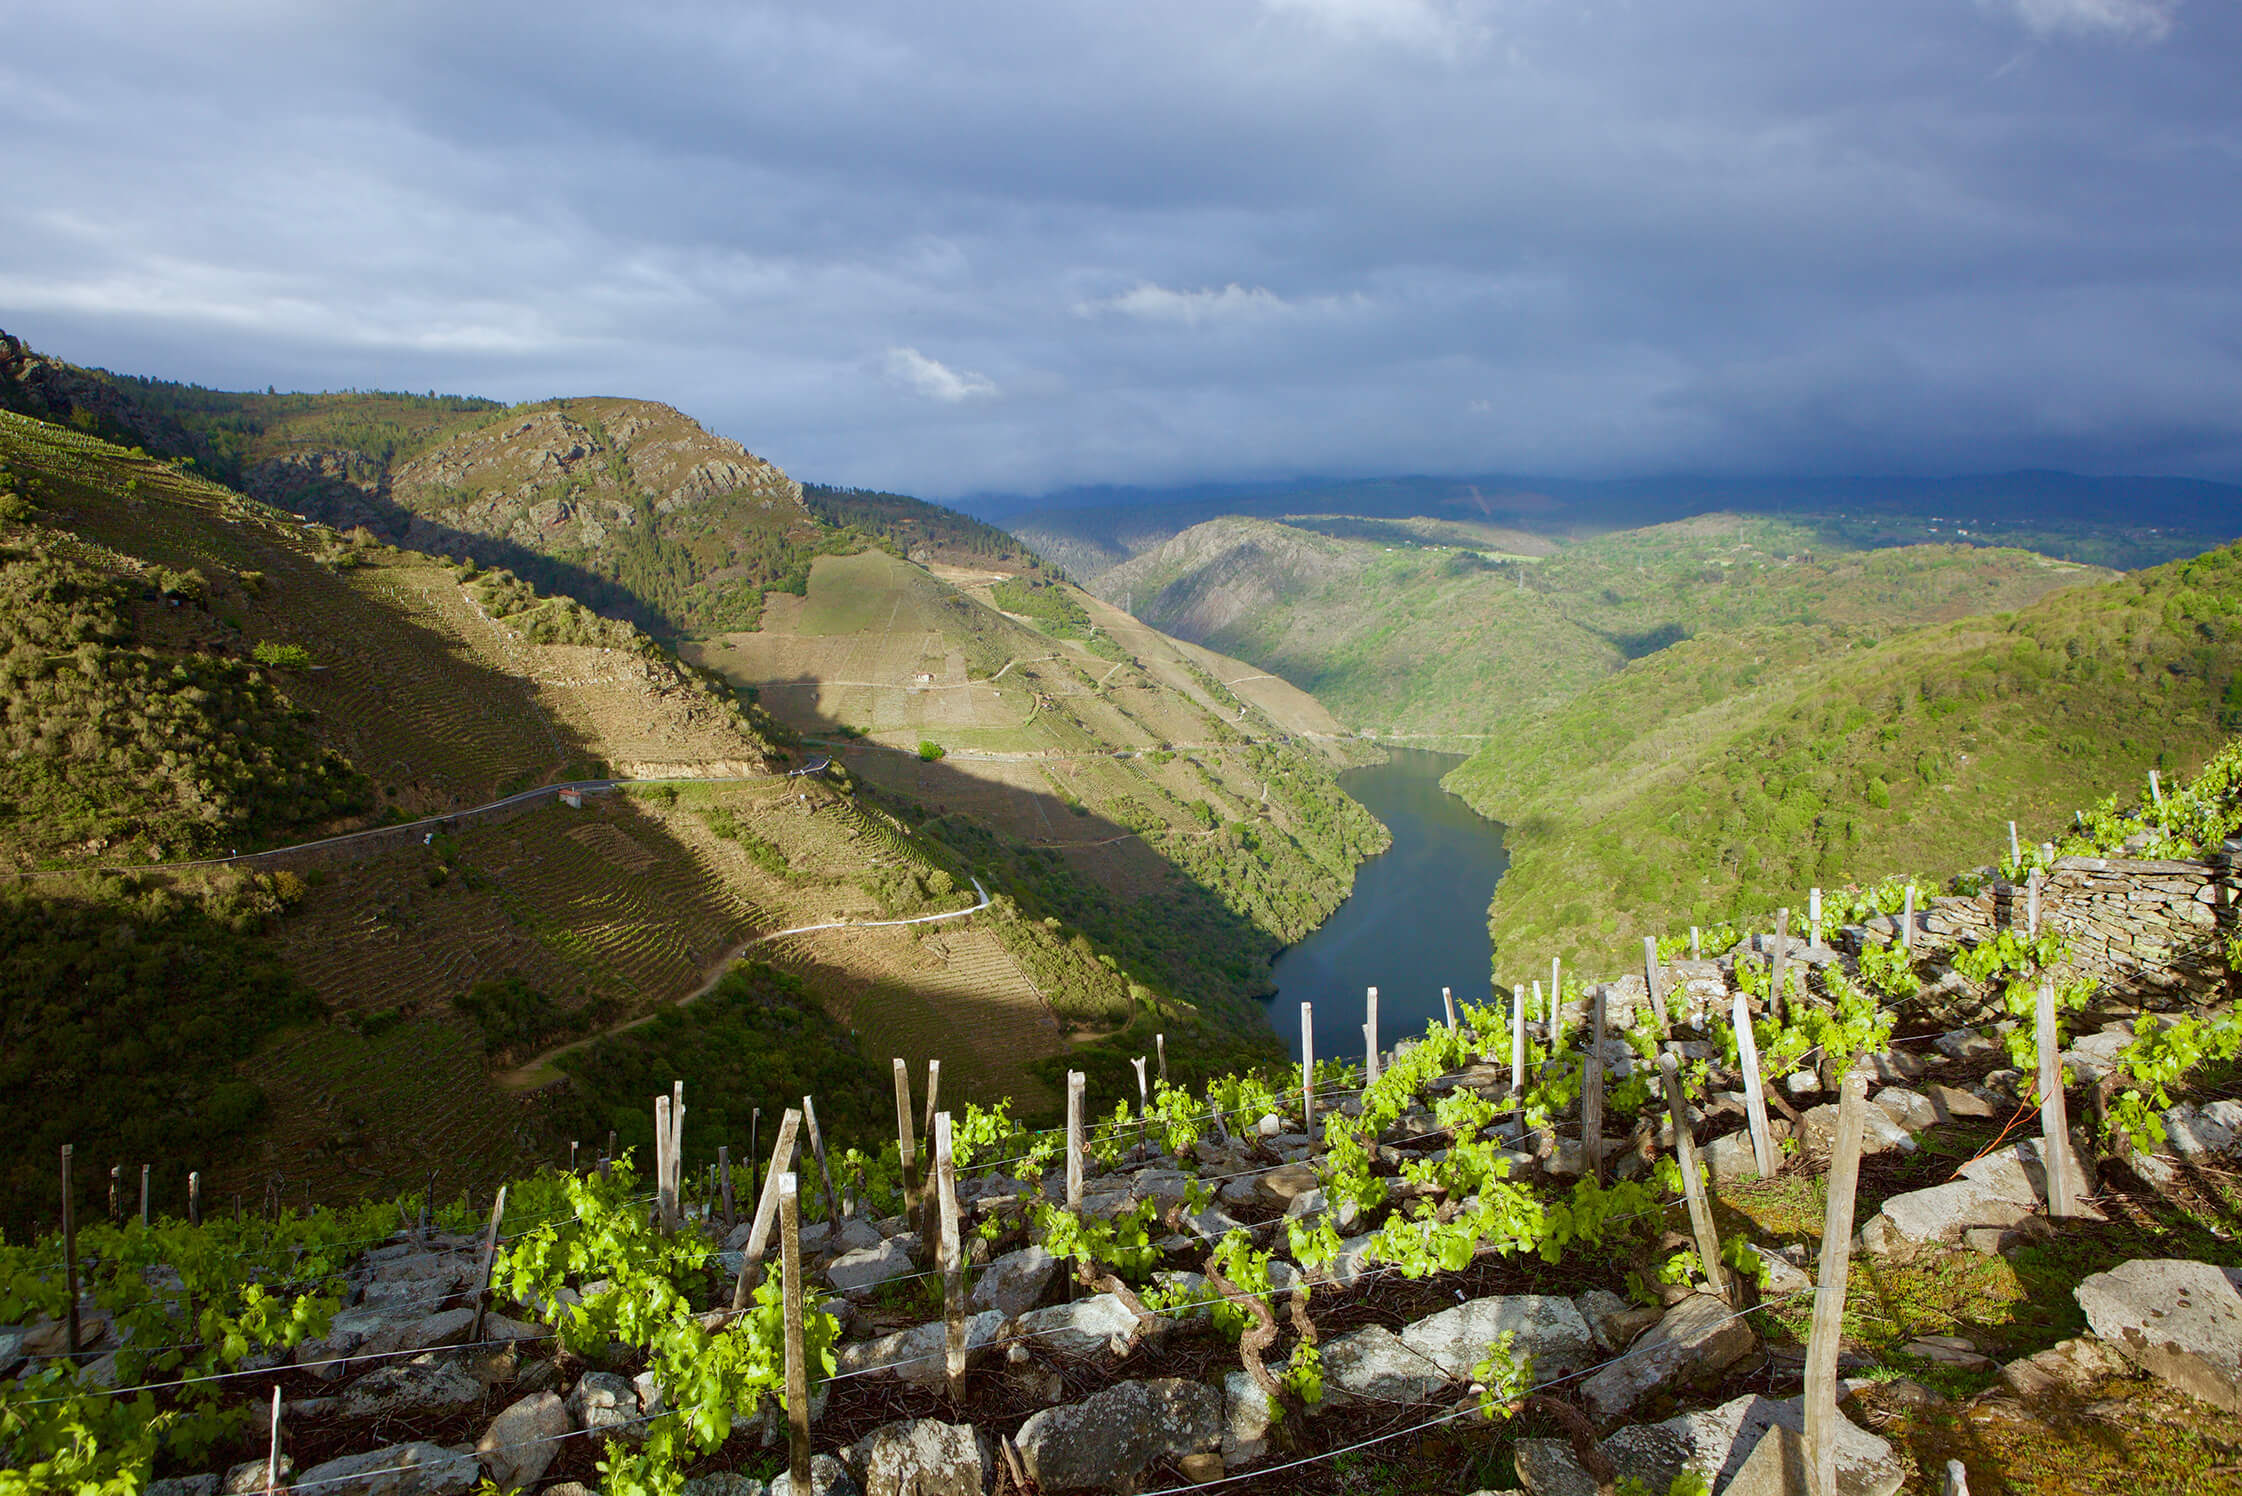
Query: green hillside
<point x="1722" y="775"/>
<point x="1417" y="629"/>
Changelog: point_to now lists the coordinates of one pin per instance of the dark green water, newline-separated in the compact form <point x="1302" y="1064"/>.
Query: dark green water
<point x="1416" y="922"/>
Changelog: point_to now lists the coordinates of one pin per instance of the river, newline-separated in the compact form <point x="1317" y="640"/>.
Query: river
<point x="1416" y="922"/>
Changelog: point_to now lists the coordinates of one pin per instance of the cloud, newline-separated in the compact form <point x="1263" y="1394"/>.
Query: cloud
<point x="936" y="380"/>
<point x="2149" y="20"/>
<point x="1423" y="25"/>
<point x="1153" y="303"/>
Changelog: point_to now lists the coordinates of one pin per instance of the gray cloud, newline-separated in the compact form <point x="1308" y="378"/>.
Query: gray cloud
<point x="1030" y="244"/>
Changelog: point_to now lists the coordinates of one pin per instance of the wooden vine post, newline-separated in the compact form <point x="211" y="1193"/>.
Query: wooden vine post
<point x="1518" y="1052"/>
<point x="952" y="1260"/>
<point x="2055" y="1132"/>
<point x="1370" y="1037"/>
<point x="1448" y="1002"/>
<point x="1160" y="1048"/>
<point x="1308" y="1071"/>
<point x="797" y="1362"/>
<point x="70" y="1249"/>
<point x="817" y="1151"/>
<point x="2156" y="790"/>
<point x="1696" y="944"/>
<point x="1755" y="1099"/>
<point x="144" y="1194"/>
<point x="1775" y="963"/>
<point x="490" y="1254"/>
<point x="1814" y="918"/>
<point x="194" y="1198"/>
<point x="766" y="1208"/>
<point x="1075" y="1082"/>
<point x="1144" y="1108"/>
<point x="676" y="1150"/>
<point x="1650" y="983"/>
<point x="272" y="1453"/>
<point x="116" y="1196"/>
<point x="755" y="1152"/>
<point x="724" y="1182"/>
<point x="907" y="1148"/>
<point x="2032" y="905"/>
<point x="1907" y="923"/>
<point x="2015" y="852"/>
<point x="1592" y="1092"/>
<point x="1693" y="1186"/>
<point x="661" y="1162"/>
<point x="1829" y="1290"/>
<point x="933" y="1089"/>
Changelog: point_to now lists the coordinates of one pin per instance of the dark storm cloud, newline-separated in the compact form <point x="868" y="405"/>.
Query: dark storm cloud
<point x="1017" y="245"/>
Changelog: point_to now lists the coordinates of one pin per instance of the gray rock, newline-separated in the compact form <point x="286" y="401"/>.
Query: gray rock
<point x="1374" y="1365"/>
<point x="1717" y="1445"/>
<point x="1246" y="1416"/>
<point x="1612" y="1320"/>
<point x="919" y="1354"/>
<point x="1730" y="1158"/>
<point x="1781" y="1276"/>
<point x="863" y="1270"/>
<point x="2076" y="1365"/>
<point x="1550" y="1329"/>
<point x="248" y="1477"/>
<point x="2207" y="1131"/>
<point x="724" y="1483"/>
<point x="923" y="1457"/>
<point x="1879" y="1132"/>
<point x="828" y="1477"/>
<point x="1997" y="1191"/>
<point x="1948" y="1350"/>
<point x="1968" y="1044"/>
<point x="522" y="1441"/>
<point x="1695" y="1342"/>
<point x="603" y="1402"/>
<point x="2177" y="1320"/>
<point x="1016" y="1282"/>
<point x="423" y="1384"/>
<point x="415" y="1469"/>
<point x="1108" y="1440"/>
<point x="183" y="1485"/>
<point x="1082" y="1328"/>
<point x="1910" y="1109"/>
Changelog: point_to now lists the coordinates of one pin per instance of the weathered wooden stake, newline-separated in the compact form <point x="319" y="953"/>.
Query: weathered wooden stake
<point x="755" y="1152"/>
<point x="1693" y="1187"/>
<point x="1776" y="1002"/>
<point x="2055" y="1132"/>
<point x="1957" y="1479"/>
<point x="1907" y="923"/>
<point x="2032" y="906"/>
<point x="907" y="1148"/>
<point x="797" y="1363"/>
<point x="817" y="1151"/>
<point x="2156" y="790"/>
<point x="953" y="1259"/>
<point x="1518" y="1050"/>
<point x="1829" y="1290"/>
<point x="116" y="1194"/>
<point x="572" y="1156"/>
<point x="194" y="1198"/>
<point x="1814" y="918"/>
<point x="1144" y="1106"/>
<point x="1696" y="944"/>
<point x="144" y="1194"/>
<point x="1755" y="1100"/>
<point x="70" y="1248"/>
<point x="766" y="1209"/>
<point x="1370" y="1037"/>
<point x="490" y="1253"/>
<point x="1650" y="981"/>
<point x="1448" y="1001"/>
<point x="1542" y="1012"/>
<point x="665" y="1208"/>
<point x="933" y="1089"/>
<point x="724" y="1183"/>
<point x="272" y="1454"/>
<point x="2015" y="852"/>
<point x="1592" y="1092"/>
<point x="1075" y="1082"/>
<point x="1160" y="1048"/>
<point x="1308" y="1071"/>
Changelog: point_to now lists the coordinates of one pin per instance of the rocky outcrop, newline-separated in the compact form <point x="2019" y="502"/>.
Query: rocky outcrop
<point x="1107" y="1441"/>
<point x="2181" y="1321"/>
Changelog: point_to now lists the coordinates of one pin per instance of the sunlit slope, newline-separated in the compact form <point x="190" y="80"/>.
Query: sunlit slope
<point x="1420" y="632"/>
<point x="1727" y="774"/>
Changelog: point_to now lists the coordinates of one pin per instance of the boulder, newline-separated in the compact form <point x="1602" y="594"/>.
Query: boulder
<point x="1082" y="1328"/>
<point x="1717" y="1445"/>
<point x="1695" y="1342"/>
<point x="1612" y="1320"/>
<point x="1015" y="1282"/>
<point x="1549" y="1329"/>
<point x="416" y="1469"/>
<point x="723" y="1483"/>
<point x="1879" y="1132"/>
<point x="1950" y="1102"/>
<point x="248" y="1477"/>
<point x="1375" y="1365"/>
<point x="1246" y="1416"/>
<point x="2203" y="1132"/>
<point x="2071" y="1366"/>
<point x="867" y="1268"/>
<point x="1730" y="1158"/>
<point x="1910" y="1109"/>
<point x="421" y="1385"/>
<point x="522" y="1441"/>
<point x="603" y="1402"/>
<point x="1107" y="1441"/>
<point x="828" y="1477"/>
<point x="1780" y="1276"/>
<point x="922" y="1457"/>
<point x="1997" y="1191"/>
<point x="919" y="1354"/>
<point x="2177" y="1320"/>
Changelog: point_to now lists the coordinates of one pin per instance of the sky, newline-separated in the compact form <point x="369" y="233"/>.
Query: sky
<point x="1008" y="247"/>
